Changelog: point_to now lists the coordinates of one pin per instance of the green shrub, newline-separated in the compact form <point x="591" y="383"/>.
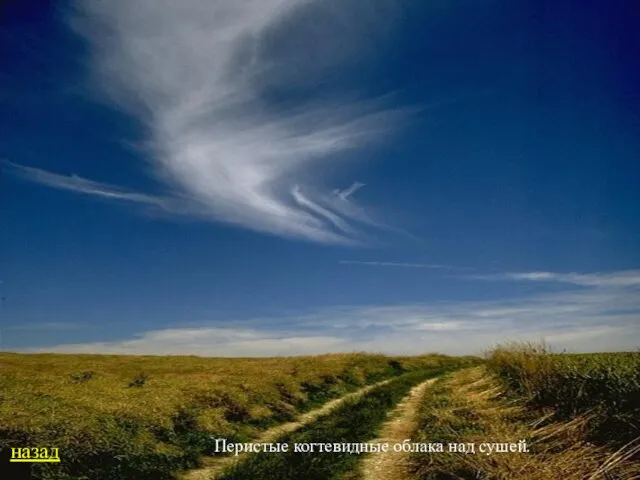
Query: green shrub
<point x="139" y="380"/>
<point x="82" y="376"/>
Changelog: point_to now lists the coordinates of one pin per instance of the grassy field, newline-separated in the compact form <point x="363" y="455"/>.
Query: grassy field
<point x="579" y="414"/>
<point x="150" y="418"/>
<point x="136" y="417"/>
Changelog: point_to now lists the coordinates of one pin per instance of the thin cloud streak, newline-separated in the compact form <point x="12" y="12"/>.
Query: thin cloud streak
<point x="197" y="74"/>
<point x="628" y="278"/>
<point x="77" y="184"/>
<point x="344" y="194"/>
<point x="401" y="264"/>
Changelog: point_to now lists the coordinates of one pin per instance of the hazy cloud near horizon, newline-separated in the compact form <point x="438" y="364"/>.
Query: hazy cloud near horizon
<point x="599" y="315"/>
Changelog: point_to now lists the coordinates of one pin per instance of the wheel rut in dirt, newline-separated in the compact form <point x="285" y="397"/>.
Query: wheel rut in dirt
<point x="400" y="426"/>
<point x="216" y="465"/>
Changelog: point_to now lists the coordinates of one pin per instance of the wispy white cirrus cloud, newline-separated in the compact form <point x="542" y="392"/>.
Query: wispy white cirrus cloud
<point x="78" y="184"/>
<point x="346" y="193"/>
<point x="626" y="278"/>
<point x="401" y="264"/>
<point x="201" y="77"/>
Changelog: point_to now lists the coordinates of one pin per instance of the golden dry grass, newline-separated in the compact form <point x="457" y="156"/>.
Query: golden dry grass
<point x="605" y="385"/>
<point x="468" y="408"/>
<point x="146" y="416"/>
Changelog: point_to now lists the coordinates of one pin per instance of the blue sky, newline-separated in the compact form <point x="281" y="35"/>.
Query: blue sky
<point x="276" y="177"/>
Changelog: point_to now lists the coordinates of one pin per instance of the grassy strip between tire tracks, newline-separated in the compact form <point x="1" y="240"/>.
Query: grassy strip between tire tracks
<point x="355" y="421"/>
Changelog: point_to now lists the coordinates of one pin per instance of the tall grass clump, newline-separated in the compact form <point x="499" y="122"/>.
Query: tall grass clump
<point x="604" y="385"/>
<point x="469" y="408"/>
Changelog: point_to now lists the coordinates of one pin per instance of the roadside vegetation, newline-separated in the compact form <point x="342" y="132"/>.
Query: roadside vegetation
<point x="605" y="386"/>
<point x="579" y="415"/>
<point x="147" y="417"/>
